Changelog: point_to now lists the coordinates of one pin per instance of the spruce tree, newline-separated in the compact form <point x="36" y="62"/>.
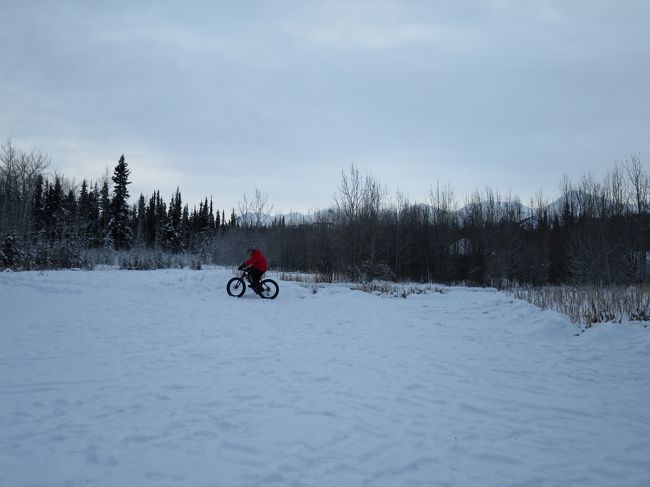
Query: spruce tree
<point x="84" y="202"/>
<point x="119" y="222"/>
<point x="150" y="223"/>
<point x="10" y="252"/>
<point x="71" y="215"/>
<point x="104" y="236"/>
<point x="173" y="231"/>
<point x="185" y="227"/>
<point x="38" y="218"/>
<point x="53" y="211"/>
<point x="94" y="223"/>
<point x="140" y="223"/>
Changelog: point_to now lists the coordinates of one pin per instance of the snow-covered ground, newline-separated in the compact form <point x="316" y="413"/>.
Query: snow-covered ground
<point x="118" y="378"/>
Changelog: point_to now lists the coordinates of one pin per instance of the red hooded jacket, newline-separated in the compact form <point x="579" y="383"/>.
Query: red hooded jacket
<point x="257" y="261"/>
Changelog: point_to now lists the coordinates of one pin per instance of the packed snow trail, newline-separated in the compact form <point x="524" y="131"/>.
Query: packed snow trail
<point x="159" y="378"/>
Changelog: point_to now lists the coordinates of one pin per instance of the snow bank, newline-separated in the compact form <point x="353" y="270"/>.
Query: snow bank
<point x="159" y="378"/>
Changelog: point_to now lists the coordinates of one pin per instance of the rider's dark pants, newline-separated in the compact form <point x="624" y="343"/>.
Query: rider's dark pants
<point x="255" y="275"/>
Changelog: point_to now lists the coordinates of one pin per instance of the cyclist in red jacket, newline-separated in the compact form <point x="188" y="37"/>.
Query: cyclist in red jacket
<point x="257" y="266"/>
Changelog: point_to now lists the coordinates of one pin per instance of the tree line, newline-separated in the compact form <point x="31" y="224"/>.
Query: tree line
<point x="596" y="232"/>
<point x="51" y="223"/>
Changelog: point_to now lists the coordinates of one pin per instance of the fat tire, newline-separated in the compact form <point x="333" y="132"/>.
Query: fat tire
<point x="269" y="289"/>
<point x="236" y="287"/>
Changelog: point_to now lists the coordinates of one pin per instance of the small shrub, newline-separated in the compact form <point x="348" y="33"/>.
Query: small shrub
<point x="10" y="253"/>
<point x="370" y="270"/>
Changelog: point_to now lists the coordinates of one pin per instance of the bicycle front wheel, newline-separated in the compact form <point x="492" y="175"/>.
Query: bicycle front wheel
<point x="236" y="287"/>
<point x="268" y="289"/>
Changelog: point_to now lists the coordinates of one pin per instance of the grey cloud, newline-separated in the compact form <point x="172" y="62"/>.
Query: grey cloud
<point x="506" y="93"/>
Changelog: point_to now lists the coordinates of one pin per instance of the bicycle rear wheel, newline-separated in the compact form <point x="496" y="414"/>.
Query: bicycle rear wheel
<point x="236" y="287"/>
<point x="269" y="289"/>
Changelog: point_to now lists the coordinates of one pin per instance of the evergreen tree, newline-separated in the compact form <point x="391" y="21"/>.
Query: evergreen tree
<point x="204" y="217"/>
<point x="160" y="221"/>
<point x="119" y="210"/>
<point x="84" y="202"/>
<point x="173" y="232"/>
<point x="94" y="228"/>
<point x="53" y="211"/>
<point x="84" y="213"/>
<point x="103" y="231"/>
<point x="140" y="222"/>
<point x="38" y="220"/>
<point x="150" y="223"/>
<point x="10" y="252"/>
<point x="71" y="216"/>
<point x="185" y="227"/>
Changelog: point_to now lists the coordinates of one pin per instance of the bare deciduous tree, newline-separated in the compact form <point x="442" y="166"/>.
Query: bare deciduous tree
<point x="350" y="195"/>
<point x="640" y="182"/>
<point x="18" y="173"/>
<point x="254" y="210"/>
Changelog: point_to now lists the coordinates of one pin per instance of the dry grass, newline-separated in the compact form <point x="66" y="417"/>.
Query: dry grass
<point x="591" y="304"/>
<point x="383" y="288"/>
<point x="306" y="278"/>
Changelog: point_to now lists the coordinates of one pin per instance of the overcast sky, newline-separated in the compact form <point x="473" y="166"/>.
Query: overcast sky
<point x="221" y="97"/>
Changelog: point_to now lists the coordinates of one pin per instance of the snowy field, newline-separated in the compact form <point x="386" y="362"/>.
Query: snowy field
<point x="118" y="378"/>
